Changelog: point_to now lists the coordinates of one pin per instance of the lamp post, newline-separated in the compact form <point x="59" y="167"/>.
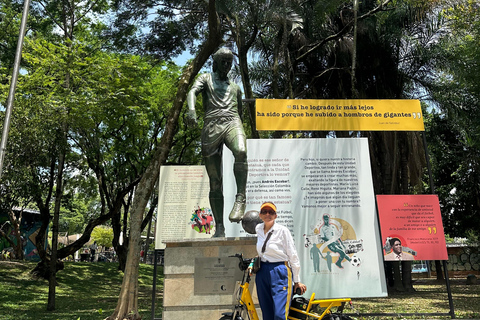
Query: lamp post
<point x="13" y="84"/>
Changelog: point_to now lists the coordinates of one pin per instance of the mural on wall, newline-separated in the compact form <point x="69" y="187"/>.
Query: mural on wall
<point x="29" y="228"/>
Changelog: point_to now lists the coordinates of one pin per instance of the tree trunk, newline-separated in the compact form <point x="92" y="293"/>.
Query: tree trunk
<point x="44" y="209"/>
<point x="122" y="251"/>
<point x="52" y="280"/>
<point x="127" y="305"/>
<point x="275" y="68"/>
<point x="397" y="277"/>
<point x="247" y="86"/>
<point x="403" y="162"/>
<point x="148" y="220"/>
<point x="407" y="276"/>
<point x="16" y="223"/>
<point x="147" y="242"/>
<point x="383" y="147"/>
<point x="122" y="248"/>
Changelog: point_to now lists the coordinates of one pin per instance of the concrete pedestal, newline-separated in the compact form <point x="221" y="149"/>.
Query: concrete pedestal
<point x="180" y="301"/>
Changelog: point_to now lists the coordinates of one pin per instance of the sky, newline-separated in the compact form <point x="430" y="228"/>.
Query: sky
<point x="182" y="59"/>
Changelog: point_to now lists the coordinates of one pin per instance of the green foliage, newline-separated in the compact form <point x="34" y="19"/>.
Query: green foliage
<point x="171" y="27"/>
<point x="453" y="125"/>
<point x="472" y="237"/>
<point x="9" y="26"/>
<point x="455" y="170"/>
<point x="115" y="107"/>
<point x="449" y="239"/>
<point x="10" y="20"/>
<point x="78" y="206"/>
<point x="103" y="236"/>
<point x="33" y="141"/>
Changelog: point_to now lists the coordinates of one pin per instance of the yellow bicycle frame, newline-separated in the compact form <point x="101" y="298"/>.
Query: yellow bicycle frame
<point x="246" y="299"/>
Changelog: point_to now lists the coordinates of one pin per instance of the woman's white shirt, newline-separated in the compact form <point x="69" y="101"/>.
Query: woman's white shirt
<point x="280" y="247"/>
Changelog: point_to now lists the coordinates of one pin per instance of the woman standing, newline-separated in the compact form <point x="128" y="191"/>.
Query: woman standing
<point x="280" y="268"/>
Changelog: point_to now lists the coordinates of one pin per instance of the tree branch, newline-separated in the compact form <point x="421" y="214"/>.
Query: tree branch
<point x="341" y="32"/>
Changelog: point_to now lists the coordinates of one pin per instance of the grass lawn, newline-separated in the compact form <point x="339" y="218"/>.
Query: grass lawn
<point x="89" y="291"/>
<point x="85" y="291"/>
<point x="430" y="297"/>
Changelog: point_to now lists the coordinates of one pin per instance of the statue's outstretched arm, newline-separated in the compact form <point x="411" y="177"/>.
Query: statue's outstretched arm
<point x="191" y="101"/>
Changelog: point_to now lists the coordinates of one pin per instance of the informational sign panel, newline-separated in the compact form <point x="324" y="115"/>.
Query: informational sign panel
<point x="416" y="222"/>
<point x="183" y="206"/>
<point x="342" y="115"/>
<point x="216" y="275"/>
<point x="324" y="194"/>
<point x="312" y="181"/>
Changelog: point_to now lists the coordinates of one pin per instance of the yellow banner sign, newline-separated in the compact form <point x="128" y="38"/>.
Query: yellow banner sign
<point x="340" y="115"/>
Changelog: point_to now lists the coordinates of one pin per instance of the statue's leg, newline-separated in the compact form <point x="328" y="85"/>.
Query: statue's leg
<point x="214" y="170"/>
<point x="240" y="170"/>
<point x="238" y="145"/>
<point x="216" y="203"/>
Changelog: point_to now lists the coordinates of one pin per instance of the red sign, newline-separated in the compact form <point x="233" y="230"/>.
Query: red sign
<point x="411" y="227"/>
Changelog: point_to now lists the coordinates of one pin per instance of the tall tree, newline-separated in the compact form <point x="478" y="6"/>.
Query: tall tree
<point x="117" y="107"/>
<point x="453" y="125"/>
<point x="68" y="16"/>
<point x="127" y="306"/>
<point x="321" y="56"/>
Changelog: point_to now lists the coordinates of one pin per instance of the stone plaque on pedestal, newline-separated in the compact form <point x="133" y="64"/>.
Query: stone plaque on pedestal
<point x="216" y="275"/>
<point x="187" y="260"/>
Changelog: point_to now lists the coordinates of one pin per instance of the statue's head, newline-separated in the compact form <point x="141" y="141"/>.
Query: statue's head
<point x="222" y="61"/>
<point x="222" y="53"/>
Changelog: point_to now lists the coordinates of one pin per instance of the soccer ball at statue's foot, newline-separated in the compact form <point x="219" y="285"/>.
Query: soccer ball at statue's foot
<point x="250" y="221"/>
<point x="355" y="261"/>
<point x="238" y="209"/>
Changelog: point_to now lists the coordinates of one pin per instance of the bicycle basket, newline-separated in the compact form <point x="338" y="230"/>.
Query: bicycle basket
<point x="299" y="303"/>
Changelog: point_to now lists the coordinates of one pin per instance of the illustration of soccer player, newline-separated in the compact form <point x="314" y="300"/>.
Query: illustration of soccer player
<point x="331" y="235"/>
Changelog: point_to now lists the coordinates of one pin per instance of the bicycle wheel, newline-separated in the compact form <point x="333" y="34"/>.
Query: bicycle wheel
<point x="225" y="317"/>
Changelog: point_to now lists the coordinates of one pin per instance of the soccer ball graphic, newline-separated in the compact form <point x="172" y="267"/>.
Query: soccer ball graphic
<point x="355" y="261"/>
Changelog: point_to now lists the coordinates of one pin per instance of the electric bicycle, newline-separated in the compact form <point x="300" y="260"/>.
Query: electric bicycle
<point x="300" y="308"/>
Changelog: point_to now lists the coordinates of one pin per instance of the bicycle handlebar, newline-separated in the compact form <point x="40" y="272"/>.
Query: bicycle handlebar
<point x="243" y="264"/>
